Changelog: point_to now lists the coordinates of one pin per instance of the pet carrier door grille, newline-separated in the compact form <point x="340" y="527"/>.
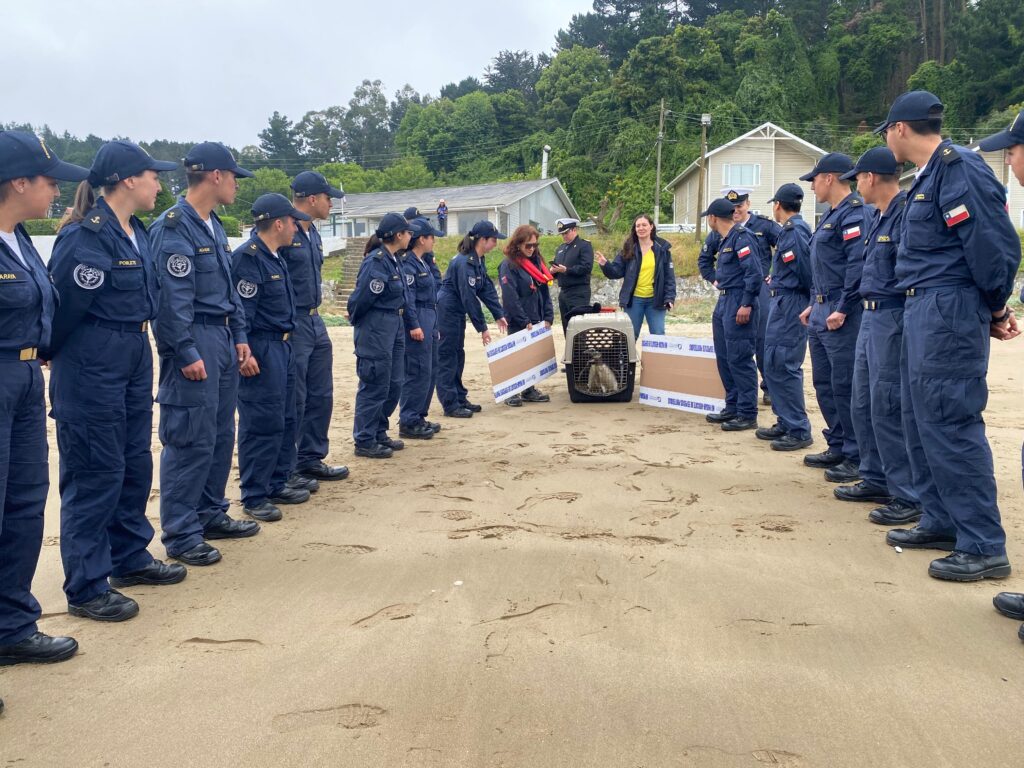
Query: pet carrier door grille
<point x="595" y="347"/>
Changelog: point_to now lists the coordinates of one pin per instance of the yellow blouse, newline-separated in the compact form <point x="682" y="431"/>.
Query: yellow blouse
<point x="645" y="281"/>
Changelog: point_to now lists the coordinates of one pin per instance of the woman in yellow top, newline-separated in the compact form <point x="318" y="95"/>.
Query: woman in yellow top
<point x="648" y="276"/>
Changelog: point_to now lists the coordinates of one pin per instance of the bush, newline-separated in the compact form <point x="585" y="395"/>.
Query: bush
<point x="41" y="226"/>
<point x="232" y="226"/>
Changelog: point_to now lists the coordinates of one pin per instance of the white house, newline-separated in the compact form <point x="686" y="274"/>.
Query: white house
<point x="762" y="159"/>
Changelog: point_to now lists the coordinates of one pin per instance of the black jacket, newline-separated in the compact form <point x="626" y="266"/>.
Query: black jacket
<point x="629" y="271"/>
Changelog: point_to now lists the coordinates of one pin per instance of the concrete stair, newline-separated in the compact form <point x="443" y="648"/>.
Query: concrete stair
<point x="351" y="259"/>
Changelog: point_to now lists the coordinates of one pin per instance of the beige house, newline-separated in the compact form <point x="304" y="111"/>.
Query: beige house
<point x="762" y="159"/>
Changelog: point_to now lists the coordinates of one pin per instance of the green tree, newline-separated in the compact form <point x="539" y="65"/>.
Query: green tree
<point x="320" y="135"/>
<point x="513" y="71"/>
<point x="570" y="76"/>
<point x="452" y="91"/>
<point x="264" y="181"/>
<point x="406" y="173"/>
<point x="279" y="141"/>
<point x="367" y="125"/>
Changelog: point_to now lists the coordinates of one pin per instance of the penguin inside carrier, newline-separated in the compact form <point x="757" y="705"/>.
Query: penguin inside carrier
<point x="600" y="355"/>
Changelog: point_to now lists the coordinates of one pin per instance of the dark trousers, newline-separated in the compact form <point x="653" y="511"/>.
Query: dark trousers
<point x="314" y="389"/>
<point x="569" y="299"/>
<point x="197" y="429"/>
<point x="102" y="390"/>
<point x="451" y="357"/>
<point x="420" y="372"/>
<point x="266" y="421"/>
<point x="945" y="361"/>
<point x="734" y="353"/>
<point x="832" y="355"/>
<point x="24" y="482"/>
<point x="785" y="347"/>
<point x="380" y="363"/>
<point x="764" y="301"/>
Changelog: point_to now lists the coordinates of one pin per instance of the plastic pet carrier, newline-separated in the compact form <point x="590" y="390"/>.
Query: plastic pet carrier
<point x="600" y="356"/>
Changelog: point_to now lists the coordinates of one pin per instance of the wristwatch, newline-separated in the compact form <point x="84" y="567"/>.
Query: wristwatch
<point x="1004" y="317"/>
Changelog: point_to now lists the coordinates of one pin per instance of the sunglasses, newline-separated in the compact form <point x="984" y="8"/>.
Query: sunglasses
<point x="529" y="246"/>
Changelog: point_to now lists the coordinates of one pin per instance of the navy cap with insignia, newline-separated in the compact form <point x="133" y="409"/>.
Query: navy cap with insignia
<point x="312" y="183"/>
<point x="1005" y="139"/>
<point x="391" y="225"/>
<point x="120" y="160"/>
<point x="213" y="156"/>
<point x="833" y="162"/>
<point x="486" y="229"/>
<point x="736" y="195"/>
<point x="275" y="206"/>
<point x="722" y="207"/>
<point x="875" y="160"/>
<point x="912" y="105"/>
<point x="24" y="154"/>
<point x="564" y="225"/>
<point x="422" y="228"/>
<point x="788" y="193"/>
<point x="412" y="212"/>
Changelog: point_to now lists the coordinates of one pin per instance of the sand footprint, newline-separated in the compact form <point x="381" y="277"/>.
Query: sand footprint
<point x="348" y="716"/>
<point x="394" y="612"/>
<point x="341" y="549"/>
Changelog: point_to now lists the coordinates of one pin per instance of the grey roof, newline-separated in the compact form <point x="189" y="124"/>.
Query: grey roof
<point x="474" y="197"/>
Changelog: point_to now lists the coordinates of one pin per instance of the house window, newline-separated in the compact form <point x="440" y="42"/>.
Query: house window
<point x="741" y="175"/>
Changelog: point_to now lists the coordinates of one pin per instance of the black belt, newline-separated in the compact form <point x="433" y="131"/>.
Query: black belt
<point x="919" y="291"/>
<point x="21" y="355"/>
<point x="874" y="305"/>
<point x="210" y="320"/>
<point x="398" y="312"/>
<point x="272" y="335"/>
<point x="308" y="311"/>
<point x="832" y="295"/>
<point x="786" y="292"/>
<point x="426" y="304"/>
<point x="139" y="327"/>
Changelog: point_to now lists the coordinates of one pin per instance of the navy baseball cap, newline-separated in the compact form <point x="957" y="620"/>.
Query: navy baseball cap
<point x="275" y="206"/>
<point x="833" y="162"/>
<point x="312" y="183"/>
<point x="722" y="207"/>
<point x="486" y="229"/>
<point x="788" y="193"/>
<point x="392" y="224"/>
<point x="912" y="105"/>
<point x="212" y="156"/>
<point x="423" y="228"/>
<point x="412" y="212"/>
<point x="875" y="160"/>
<point x="1005" y="139"/>
<point x="120" y="160"/>
<point x="25" y="154"/>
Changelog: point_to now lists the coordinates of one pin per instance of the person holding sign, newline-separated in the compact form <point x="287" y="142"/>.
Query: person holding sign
<point x="525" y="294"/>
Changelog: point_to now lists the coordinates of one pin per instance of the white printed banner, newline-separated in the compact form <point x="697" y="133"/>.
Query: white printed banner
<point x="520" y="361"/>
<point x="680" y="373"/>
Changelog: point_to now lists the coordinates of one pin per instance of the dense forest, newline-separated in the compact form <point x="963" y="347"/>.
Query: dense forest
<point x="824" y="69"/>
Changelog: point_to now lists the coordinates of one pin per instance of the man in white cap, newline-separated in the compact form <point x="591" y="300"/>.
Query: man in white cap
<point x="573" y="263"/>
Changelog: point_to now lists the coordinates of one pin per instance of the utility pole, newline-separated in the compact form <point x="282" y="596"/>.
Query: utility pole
<point x="705" y="121"/>
<point x="657" y="175"/>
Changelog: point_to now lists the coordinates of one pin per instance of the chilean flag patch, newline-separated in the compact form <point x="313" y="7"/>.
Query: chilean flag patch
<point x="851" y="233"/>
<point x="743" y="252"/>
<point x="955" y="216"/>
<point x="788" y="256"/>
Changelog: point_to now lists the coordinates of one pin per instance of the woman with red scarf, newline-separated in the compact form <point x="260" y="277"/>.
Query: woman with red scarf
<point x="525" y="294"/>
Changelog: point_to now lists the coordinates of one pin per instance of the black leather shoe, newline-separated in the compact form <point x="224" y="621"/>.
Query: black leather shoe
<point x="1010" y="604"/>
<point x="918" y="538"/>
<point x="416" y="432"/>
<point x="38" y="649"/>
<point x="896" y="512"/>
<point x="288" y="496"/>
<point x="534" y="395"/>
<point x="459" y="413"/>
<point x="861" y="492"/>
<point x="200" y="554"/>
<point x="739" y="425"/>
<point x="323" y="472"/>
<point x="265" y="512"/>
<point x="823" y="460"/>
<point x="845" y="472"/>
<point x="963" y="566"/>
<point x="514" y="402"/>
<point x="375" y="451"/>
<point x="472" y="407"/>
<point x="1" y="706"/>
<point x="1020" y="633"/>
<point x="110" y="606"/>
<point x="773" y="432"/>
<point x="157" y="573"/>
<point x="434" y="426"/>
<point x="303" y="483"/>
<point x="766" y="399"/>
<point x="230" y="529"/>
<point x="720" y="418"/>
<point x="790" y="443"/>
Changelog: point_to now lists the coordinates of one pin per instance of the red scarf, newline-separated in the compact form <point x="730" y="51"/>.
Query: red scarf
<point x="539" y="274"/>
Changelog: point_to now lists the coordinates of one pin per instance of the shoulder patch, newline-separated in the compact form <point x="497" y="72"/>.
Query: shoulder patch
<point x="94" y="220"/>
<point x="179" y="265"/>
<point x="247" y="289"/>
<point x="856" y="201"/>
<point x="376" y="286"/>
<point x="472" y="282"/>
<point x="172" y="218"/>
<point x="788" y="224"/>
<point x="88" y="278"/>
<point x="410" y="278"/>
<point x="950" y="156"/>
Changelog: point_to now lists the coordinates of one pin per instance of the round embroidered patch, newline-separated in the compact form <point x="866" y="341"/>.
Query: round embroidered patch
<point x="376" y="286"/>
<point x="88" y="277"/>
<point x="410" y="279"/>
<point x="179" y="266"/>
<point x="247" y="289"/>
<point x="472" y="282"/>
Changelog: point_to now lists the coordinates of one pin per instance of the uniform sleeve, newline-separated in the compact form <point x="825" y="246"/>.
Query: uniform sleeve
<point x="489" y="295"/>
<point x="752" y="275"/>
<point x="173" y="327"/>
<point x="79" y="267"/>
<point x="510" y="302"/>
<point x="459" y="273"/>
<point x="852" y="232"/>
<point x="409" y="270"/>
<point x="801" y="243"/>
<point x="615" y="270"/>
<point x="362" y="299"/>
<point x="247" y="287"/>
<point x="772" y="231"/>
<point x="706" y="259"/>
<point x="584" y="263"/>
<point x="973" y="204"/>
<point x="670" y="276"/>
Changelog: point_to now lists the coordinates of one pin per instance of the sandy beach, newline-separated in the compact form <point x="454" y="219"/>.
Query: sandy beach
<point x="605" y="585"/>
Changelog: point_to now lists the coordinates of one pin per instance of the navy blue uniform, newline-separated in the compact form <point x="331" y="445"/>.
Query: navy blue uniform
<point x="957" y="259"/>
<point x="766" y="235"/>
<point x="837" y="259"/>
<point x="737" y="275"/>
<point x="101" y="388"/>
<point x="785" y="340"/>
<point x="522" y="299"/>
<point x="200" y="317"/>
<point x="464" y="286"/>
<point x="376" y="308"/>
<point x="574" y="284"/>
<point x="422" y="278"/>
<point x="27" y="301"/>
<point x="876" y="373"/>
<point x="266" y="402"/>
<point x="311" y="348"/>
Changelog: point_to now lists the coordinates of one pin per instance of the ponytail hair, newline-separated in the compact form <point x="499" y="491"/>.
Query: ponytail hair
<point x="372" y="245"/>
<point x="85" y="201"/>
<point x="468" y="244"/>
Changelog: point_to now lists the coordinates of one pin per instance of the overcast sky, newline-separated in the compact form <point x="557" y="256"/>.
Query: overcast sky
<point x="192" y="70"/>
